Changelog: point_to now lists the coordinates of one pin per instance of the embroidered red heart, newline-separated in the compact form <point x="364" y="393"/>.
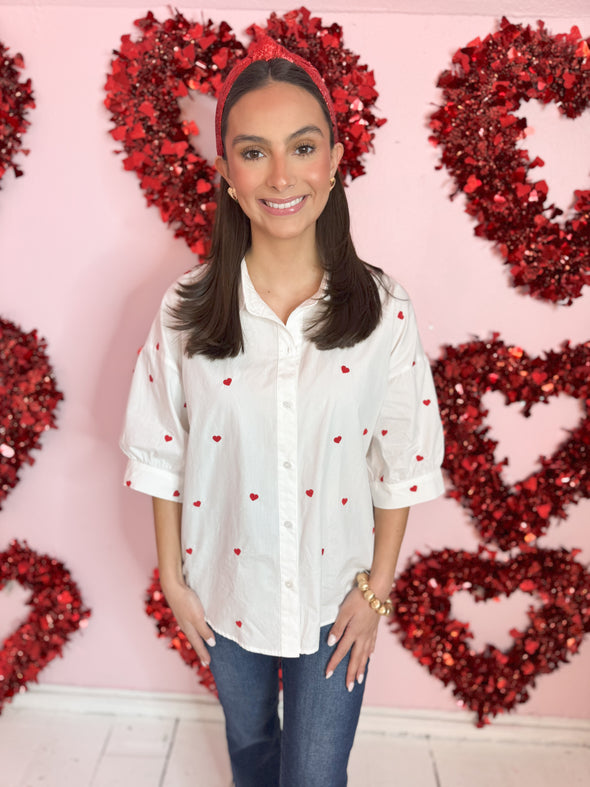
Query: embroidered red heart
<point x="197" y="503"/>
<point x="176" y="493"/>
<point x="419" y="458"/>
<point x="28" y="399"/>
<point x="345" y="369"/>
<point x="189" y="551"/>
<point x="17" y="99"/>
<point x="344" y="501"/>
<point x="492" y="681"/>
<point x="239" y="624"/>
<point x="414" y="488"/>
<point x="57" y="611"/>
<point x="480" y="135"/>
<point x="426" y="402"/>
<point x="384" y="432"/>
<point x="217" y="437"/>
<point x="511" y="515"/>
<point x="400" y="315"/>
<point x="338" y="439"/>
<point x="128" y="483"/>
<point x="238" y="551"/>
<point x="253" y="496"/>
<point x="309" y="492"/>
<point x="227" y="381"/>
<point x="149" y="75"/>
<point x="167" y="438"/>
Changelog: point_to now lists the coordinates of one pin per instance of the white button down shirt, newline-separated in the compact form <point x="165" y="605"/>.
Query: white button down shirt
<point x="278" y="456"/>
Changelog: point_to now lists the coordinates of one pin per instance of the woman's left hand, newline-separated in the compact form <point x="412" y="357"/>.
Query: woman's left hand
<point x="354" y="629"/>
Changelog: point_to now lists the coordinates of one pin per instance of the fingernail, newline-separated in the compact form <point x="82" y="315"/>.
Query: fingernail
<point x="331" y="640"/>
<point x="211" y="641"/>
<point x="350" y="686"/>
<point x="205" y="663"/>
<point x="360" y="678"/>
<point x="329" y="674"/>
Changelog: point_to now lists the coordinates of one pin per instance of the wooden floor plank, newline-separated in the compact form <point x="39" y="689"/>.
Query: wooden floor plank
<point x="198" y="756"/>
<point x="463" y="764"/>
<point x="140" y="736"/>
<point x="383" y="761"/>
<point x="129" y="771"/>
<point x="52" y="750"/>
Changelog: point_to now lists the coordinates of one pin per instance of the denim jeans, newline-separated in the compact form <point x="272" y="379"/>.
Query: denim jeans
<point x="320" y="716"/>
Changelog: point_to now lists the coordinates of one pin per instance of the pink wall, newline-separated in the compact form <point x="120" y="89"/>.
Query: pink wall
<point x="84" y="261"/>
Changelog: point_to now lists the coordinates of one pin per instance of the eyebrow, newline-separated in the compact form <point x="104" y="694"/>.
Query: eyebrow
<point x="261" y="140"/>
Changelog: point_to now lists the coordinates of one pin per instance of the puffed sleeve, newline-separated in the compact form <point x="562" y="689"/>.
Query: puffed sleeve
<point x="407" y="446"/>
<point x="156" y="424"/>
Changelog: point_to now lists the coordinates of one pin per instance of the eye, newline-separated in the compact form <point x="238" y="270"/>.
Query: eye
<point x="251" y="154"/>
<point x="305" y="149"/>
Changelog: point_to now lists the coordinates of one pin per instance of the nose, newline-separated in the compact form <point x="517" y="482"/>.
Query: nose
<point x="280" y="174"/>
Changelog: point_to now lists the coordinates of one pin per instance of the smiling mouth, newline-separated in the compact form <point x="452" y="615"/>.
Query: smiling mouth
<point x="283" y="205"/>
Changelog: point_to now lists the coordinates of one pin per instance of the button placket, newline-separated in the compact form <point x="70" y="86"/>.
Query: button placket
<point x="287" y="374"/>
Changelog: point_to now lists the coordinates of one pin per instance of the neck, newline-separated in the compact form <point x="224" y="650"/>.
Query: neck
<point x="278" y="262"/>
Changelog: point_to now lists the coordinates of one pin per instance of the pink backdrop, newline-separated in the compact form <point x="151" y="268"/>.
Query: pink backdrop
<point x="85" y="262"/>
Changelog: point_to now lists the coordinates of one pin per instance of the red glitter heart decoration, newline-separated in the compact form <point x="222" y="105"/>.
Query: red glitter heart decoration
<point x="149" y="75"/>
<point x="492" y="681"/>
<point x="28" y="398"/>
<point x="511" y="516"/>
<point x="57" y="611"/>
<point x="479" y="132"/>
<point x="16" y="98"/>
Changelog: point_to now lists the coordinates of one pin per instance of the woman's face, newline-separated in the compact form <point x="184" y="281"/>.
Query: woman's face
<point x="279" y="160"/>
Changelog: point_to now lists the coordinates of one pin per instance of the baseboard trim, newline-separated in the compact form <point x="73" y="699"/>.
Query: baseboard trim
<point x="397" y="722"/>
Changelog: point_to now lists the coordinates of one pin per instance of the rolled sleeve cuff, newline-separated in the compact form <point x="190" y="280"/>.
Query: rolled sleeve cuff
<point x="409" y="492"/>
<point x="154" y="481"/>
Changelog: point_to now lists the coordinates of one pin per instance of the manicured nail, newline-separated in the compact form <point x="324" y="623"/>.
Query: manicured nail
<point x="350" y="686"/>
<point x="329" y="674"/>
<point x="331" y="640"/>
<point x="211" y="641"/>
<point x="204" y="663"/>
<point x="360" y="679"/>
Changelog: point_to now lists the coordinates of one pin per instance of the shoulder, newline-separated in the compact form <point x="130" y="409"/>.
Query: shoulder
<point x="392" y="293"/>
<point x="181" y="287"/>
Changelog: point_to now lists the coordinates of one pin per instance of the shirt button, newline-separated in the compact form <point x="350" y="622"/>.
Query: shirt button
<point x="288" y="405"/>
<point x="287" y="465"/>
<point x="288" y="524"/>
<point x="288" y="584"/>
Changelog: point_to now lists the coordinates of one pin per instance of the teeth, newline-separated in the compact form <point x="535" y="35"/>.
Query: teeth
<point x="283" y="205"/>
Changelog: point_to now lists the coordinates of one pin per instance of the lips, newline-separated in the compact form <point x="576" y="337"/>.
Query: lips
<point x="283" y="207"/>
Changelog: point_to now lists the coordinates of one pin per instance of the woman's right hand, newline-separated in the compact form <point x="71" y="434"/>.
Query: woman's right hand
<point x="190" y="616"/>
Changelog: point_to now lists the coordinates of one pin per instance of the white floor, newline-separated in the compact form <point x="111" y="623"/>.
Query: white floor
<point x="41" y="747"/>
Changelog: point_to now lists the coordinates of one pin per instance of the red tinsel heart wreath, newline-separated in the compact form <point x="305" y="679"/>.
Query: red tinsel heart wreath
<point x="16" y="98"/>
<point x="57" y="612"/>
<point x="157" y="608"/>
<point x="28" y="398"/>
<point x="492" y="681"/>
<point x="478" y="131"/>
<point x="511" y="517"/>
<point x="170" y="58"/>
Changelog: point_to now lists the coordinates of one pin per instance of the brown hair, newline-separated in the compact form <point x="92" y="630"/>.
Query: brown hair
<point x="208" y="308"/>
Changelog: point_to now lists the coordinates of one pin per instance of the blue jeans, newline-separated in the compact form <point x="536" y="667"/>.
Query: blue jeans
<point x="320" y="716"/>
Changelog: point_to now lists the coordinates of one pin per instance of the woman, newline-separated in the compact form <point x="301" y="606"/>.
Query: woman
<point x="283" y="418"/>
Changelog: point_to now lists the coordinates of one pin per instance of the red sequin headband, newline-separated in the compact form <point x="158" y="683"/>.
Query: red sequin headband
<point x="266" y="48"/>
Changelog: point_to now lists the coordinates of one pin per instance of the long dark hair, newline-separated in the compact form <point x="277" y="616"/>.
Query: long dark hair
<point x="208" y="309"/>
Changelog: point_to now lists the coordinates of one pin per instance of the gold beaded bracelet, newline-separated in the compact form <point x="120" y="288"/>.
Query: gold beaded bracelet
<point x="381" y="607"/>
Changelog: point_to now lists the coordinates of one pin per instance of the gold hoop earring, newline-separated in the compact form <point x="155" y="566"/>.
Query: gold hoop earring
<point x="332" y="183"/>
<point x="232" y="193"/>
